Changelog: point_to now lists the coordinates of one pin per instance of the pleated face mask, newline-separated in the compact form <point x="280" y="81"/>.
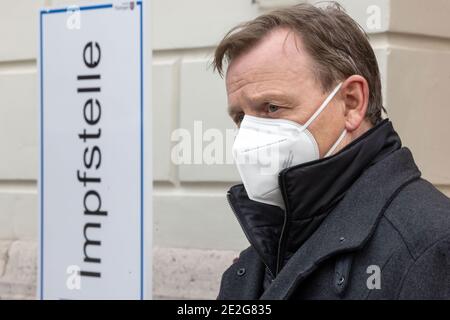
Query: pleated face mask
<point x="263" y="147"/>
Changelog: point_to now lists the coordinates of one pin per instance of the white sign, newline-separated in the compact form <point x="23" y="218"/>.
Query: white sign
<point x="92" y="153"/>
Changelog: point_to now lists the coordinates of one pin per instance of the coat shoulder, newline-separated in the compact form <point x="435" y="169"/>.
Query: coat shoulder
<point x="428" y="277"/>
<point x="421" y="215"/>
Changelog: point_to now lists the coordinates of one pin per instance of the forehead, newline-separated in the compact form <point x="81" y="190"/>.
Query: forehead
<point x="278" y="54"/>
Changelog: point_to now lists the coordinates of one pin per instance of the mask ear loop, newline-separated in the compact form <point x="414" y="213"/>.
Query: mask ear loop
<point x="324" y="104"/>
<point x="330" y="152"/>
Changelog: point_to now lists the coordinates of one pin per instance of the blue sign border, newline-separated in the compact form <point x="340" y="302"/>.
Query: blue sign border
<point x="41" y="50"/>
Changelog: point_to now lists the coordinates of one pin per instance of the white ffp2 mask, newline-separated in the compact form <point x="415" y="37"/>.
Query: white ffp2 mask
<point x="263" y="147"/>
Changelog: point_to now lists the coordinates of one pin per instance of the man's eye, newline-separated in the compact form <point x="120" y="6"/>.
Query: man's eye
<point x="239" y="118"/>
<point x="272" y="108"/>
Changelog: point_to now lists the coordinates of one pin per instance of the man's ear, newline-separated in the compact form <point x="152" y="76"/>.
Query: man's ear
<point x="355" y="94"/>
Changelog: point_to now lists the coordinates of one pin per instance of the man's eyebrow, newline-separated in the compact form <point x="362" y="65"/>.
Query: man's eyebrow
<point x="258" y="99"/>
<point x="267" y="91"/>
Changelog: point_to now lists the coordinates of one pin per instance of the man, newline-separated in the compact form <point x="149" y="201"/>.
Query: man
<point x="340" y="211"/>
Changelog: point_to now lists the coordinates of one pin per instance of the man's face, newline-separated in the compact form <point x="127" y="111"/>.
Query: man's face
<point x="275" y="79"/>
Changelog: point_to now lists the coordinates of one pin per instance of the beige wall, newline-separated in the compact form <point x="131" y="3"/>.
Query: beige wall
<point x="192" y="218"/>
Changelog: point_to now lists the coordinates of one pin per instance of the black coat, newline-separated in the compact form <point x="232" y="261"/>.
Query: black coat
<point x="385" y="218"/>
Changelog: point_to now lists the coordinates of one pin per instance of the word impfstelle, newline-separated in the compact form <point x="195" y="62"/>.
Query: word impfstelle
<point x="89" y="87"/>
